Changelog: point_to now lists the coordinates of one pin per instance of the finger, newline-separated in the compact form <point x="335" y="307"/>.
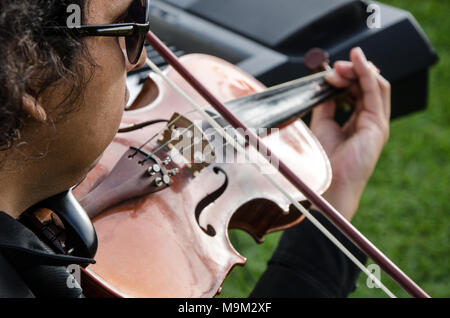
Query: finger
<point x="326" y="111"/>
<point x="345" y="70"/>
<point x="335" y="79"/>
<point x="369" y="83"/>
<point x="374" y="67"/>
<point x="385" y="88"/>
<point x="355" y="90"/>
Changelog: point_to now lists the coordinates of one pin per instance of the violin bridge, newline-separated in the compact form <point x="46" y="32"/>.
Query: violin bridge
<point x="189" y="142"/>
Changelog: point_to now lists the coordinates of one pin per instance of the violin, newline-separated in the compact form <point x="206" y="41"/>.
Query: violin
<point x="161" y="209"/>
<point x="172" y="241"/>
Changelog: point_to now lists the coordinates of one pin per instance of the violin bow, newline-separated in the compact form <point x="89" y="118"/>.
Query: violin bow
<point x="326" y="208"/>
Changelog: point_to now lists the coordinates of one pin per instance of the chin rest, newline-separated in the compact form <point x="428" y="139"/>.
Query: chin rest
<point x="80" y="236"/>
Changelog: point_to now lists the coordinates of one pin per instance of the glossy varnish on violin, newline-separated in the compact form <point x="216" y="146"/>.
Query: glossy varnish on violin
<point x="153" y="246"/>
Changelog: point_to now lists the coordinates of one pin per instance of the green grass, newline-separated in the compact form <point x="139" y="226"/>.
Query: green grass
<point x="404" y="208"/>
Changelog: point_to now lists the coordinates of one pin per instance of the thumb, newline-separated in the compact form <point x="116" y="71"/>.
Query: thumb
<point x="324" y="112"/>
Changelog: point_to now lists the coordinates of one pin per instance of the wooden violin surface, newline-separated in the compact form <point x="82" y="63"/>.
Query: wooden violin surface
<point x="155" y="246"/>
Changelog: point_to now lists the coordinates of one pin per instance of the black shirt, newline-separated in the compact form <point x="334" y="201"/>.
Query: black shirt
<point x="29" y="268"/>
<point x="305" y="264"/>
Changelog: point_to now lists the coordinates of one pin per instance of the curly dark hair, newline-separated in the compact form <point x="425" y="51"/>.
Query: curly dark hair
<point x="32" y="59"/>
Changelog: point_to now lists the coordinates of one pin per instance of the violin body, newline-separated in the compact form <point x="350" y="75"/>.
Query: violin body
<point x="174" y="243"/>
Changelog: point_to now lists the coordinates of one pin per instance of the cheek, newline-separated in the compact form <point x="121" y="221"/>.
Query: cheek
<point x="94" y="125"/>
<point x="88" y="132"/>
<point x="106" y="92"/>
<point x="105" y="106"/>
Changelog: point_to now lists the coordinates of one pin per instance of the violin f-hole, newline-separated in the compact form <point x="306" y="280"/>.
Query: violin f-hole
<point x="210" y="198"/>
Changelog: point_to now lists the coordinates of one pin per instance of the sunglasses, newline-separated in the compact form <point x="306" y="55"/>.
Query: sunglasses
<point x="134" y="29"/>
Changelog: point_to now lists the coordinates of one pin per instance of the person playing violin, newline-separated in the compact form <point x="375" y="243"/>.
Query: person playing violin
<point x="62" y="98"/>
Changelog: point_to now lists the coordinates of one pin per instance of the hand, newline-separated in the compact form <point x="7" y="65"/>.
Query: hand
<point x="355" y="148"/>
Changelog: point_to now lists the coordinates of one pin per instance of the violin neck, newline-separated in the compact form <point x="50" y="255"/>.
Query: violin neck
<point x="282" y="103"/>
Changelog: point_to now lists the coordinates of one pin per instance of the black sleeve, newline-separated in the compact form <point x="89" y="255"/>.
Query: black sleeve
<point x="306" y="264"/>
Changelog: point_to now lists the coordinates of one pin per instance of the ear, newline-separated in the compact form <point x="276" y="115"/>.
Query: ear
<point x="33" y="108"/>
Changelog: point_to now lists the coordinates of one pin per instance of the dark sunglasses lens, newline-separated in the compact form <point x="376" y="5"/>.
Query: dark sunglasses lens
<point x="137" y="13"/>
<point x="134" y="44"/>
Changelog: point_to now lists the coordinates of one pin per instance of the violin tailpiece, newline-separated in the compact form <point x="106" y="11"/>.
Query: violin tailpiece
<point x="137" y="173"/>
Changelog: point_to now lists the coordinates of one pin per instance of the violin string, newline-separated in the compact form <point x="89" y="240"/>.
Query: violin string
<point x="160" y="131"/>
<point x="295" y="202"/>
<point x="173" y="138"/>
<point x="182" y="151"/>
<point x="168" y="142"/>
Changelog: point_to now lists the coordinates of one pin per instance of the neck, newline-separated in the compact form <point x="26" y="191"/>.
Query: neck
<point x="281" y="103"/>
<point x="26" y="182"/>
<point x="16" y="193"/>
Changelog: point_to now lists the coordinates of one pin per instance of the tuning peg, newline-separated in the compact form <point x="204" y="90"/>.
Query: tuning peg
<point x="164" y="180"/>
<point x="173" y="172"/>
<point x="158" y="182"/>
<point x="317" y="60"/>
<point x="153" y="169"/>
<point x="167" y="161"/>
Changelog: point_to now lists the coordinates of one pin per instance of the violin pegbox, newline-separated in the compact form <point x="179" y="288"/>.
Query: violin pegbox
<point x="188" y="144"/>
